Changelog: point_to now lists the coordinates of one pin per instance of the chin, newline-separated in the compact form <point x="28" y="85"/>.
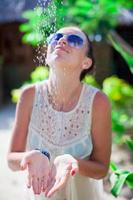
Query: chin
<point x="59" y="63"/>
<point x="58" y="59"/>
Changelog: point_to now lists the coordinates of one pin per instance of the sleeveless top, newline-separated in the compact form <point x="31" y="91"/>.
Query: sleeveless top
<point x="65" y="133"/>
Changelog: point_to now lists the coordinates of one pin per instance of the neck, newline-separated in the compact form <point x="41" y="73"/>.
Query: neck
<point x="63" y="88"/>
<point x="61" y="80"/>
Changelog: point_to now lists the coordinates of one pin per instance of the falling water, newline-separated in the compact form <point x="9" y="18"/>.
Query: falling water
<point x="48" y="23"/>
<point x="47" y="12"/>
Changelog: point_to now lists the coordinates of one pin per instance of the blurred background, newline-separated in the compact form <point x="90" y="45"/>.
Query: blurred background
<point x="24" y="27"/>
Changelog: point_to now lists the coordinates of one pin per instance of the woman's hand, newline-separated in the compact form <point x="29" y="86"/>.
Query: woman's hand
<point x="63" y="167"/>
<point x="38" y="167"/>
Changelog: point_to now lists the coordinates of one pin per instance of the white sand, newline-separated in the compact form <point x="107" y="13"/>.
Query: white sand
<point x="11" y="184"/>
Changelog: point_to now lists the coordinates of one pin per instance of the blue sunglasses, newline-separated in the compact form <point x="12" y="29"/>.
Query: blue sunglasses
<point x="72" y="39"/>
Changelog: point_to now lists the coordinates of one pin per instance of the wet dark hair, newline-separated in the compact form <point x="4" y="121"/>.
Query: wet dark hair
<point x="89" y="54"/>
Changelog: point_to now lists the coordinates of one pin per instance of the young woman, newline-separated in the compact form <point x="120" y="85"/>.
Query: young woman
<point x="62" y="129"/>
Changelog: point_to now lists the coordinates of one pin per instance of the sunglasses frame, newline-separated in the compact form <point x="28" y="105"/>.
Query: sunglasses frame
<point x="71" y="43"/>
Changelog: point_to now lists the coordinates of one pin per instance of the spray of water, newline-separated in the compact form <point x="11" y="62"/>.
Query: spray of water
<point x="49" y="21"/>
<point x="48" y="14"/>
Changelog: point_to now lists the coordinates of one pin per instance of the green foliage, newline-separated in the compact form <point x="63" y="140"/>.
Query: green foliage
<point x="96" y="17"/>
<point x="119" y="178"/>
<point x="126" y="55"/>
<point x="129" y="142"/>
<point x="121" y="95"/>
<point x="39" y="74"/>
<point x="15" y="94"/>
<point x="117" y="127"/>
<point x="118" y="90"/>
<point x="41" y="22"/>
<point x="32" y="35"/>
<point x="89" y="79"/>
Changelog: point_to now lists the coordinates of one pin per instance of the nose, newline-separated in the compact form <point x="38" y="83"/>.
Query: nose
<point x="62" y="41"/>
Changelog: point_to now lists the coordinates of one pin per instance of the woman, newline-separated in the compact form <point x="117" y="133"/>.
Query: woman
<point x="62" y="129"/>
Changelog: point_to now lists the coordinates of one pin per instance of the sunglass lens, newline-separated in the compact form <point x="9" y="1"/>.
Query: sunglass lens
<point x="75" y="41"/>
<point x="54" y="38"/>
<point x="57" y="36"/>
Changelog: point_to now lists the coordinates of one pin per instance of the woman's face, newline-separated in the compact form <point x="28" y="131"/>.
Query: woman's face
<point x="62" y="53"/>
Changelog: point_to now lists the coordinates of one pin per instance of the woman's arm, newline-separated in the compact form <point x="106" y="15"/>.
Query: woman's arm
<point x="34" y="161"/>
<point x="98" y="163"/>
<point x="19" y="133"/>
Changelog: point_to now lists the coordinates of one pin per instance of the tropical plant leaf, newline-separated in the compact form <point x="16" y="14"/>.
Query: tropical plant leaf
<point x="91" y="80"/>
<point x="39" y="74"/>
<point x="118" y="182"/>
<point x="129" y="180"/>
<point x="129" y="143"/>
<point x="113" y="166"/>
<point x="118" y="47"/>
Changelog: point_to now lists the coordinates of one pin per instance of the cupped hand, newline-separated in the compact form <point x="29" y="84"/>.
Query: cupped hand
<point x="38" y="168"/>
<point x="63" y="167"/>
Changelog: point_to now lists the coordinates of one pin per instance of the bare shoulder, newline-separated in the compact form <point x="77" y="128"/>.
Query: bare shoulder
<point x="22" y="118"/>
<point x="27" y="96"/>
<point x="25" y="102"/>
<point x="28" y="92"/>
<point x="24" y="108"/>
<point x="101" y="101"/>
<point x="101" y="113"/>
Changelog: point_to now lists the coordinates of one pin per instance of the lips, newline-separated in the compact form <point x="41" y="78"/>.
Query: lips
<point x="61" y="48"/>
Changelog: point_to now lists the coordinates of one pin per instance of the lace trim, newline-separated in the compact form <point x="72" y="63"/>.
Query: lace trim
<point x="45" y="96"/>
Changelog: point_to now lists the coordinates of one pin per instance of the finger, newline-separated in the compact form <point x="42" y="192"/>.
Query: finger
<point x="29" y="181"/>
<point x="57" y="186"/>
<point x="51" y="183"/>
<point x="50" y="179"/>
<point x="43" y="184"/>
<point x="39" y="184"/>
<point x="35" y="185"/>
<point x="23" y="164"/>
<point x="74" y="169"/>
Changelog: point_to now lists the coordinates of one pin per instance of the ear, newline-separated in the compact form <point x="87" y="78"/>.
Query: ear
<point x="87" y="63"/>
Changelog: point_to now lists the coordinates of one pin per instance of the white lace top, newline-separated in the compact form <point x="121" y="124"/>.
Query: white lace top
<point x="65" y="133"/>
<point x="61" y="132"/>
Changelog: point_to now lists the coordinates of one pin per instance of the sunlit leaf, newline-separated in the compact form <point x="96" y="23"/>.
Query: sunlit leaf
<point x="39" y="74"/>
<point x="118" y="181"/>
<point x="113" y="166"/>
<point x="32" y="38"/>
<point x="15" y="94"/>
<point x="25" y="28"/>
<point x="129" y="143"/>
<point x="129" y="180"/>
<point x="117" y="45"/>
<point x="91" y="80"/>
